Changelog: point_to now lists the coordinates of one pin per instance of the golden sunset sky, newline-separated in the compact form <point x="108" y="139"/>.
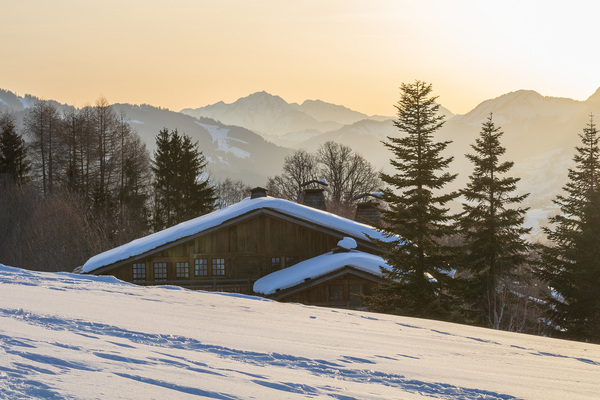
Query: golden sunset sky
<point x="190" y="53"/>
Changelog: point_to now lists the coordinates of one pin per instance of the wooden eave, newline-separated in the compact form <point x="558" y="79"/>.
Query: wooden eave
<point x="348" y="269"/>
<point x="232" y="221"/>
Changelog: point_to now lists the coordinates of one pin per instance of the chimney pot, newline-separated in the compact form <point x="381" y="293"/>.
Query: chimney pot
<point x="258" y="192"/>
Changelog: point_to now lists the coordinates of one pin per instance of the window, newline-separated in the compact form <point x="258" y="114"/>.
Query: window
<point x="275" y="263"/>
<point x="336" y="293"/>
<point x="218" y="267"/>
<point x="160" y="271"/>
<point x="182" y="269"/>
<point x="139" y="272"/>
<point x="289" y="261"/>
<point x="201" y="267"/>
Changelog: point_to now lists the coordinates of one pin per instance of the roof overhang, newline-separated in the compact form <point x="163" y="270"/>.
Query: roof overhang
<point x="232" y="221"/>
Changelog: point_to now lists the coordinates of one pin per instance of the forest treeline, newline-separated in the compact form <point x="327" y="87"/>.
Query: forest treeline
<point x="491" y="275"/>
<point x="78" y="183"/>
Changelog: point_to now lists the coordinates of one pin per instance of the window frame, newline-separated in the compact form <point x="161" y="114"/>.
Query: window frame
<point x="139" y="271"/>
<point x="161" y="268"/>
<point x="201" y="265"/>
<point x="276" y="263"/>
<point x="182" y="270"/>
<point x="218" y="266"/>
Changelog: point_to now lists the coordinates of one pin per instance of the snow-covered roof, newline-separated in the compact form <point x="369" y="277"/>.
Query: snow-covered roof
<point x="345" y="226"/>
<point x="319" y="266"/>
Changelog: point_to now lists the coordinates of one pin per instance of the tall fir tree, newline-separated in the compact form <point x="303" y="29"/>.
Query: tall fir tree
<point x="418" y="283"/>
<point x="492" y="231"/>
<point x="13" y="153"/>
<point x="197" y="194"/>
<point x="180" y="192"/>
<point x="571" y="263"/>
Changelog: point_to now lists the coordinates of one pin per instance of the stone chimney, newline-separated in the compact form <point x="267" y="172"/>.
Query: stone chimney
<point x="258" y="192"/>
<point x="312" y="196"/>
<point x="367" y="211"/>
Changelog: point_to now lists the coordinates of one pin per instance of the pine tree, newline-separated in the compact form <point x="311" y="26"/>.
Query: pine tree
<point x="13" y="153"/>
<point x="418" y="282"/>
<point x="492" y="231"/>
<point x="571" y="264"/>
<point x="180" y="193"/>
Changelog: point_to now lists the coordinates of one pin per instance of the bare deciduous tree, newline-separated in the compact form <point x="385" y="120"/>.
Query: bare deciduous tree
<point x="229" y="192"/>
<point x="298" y="168"/>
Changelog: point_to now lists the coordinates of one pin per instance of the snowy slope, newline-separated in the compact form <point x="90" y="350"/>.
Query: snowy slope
<point x="66" y="336"/>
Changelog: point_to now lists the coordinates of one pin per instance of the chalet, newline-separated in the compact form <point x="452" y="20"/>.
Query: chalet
<point x="268" y="246"/>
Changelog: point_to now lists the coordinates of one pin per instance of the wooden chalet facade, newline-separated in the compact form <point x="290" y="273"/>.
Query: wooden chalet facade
<point x="344" y="288"/>
<point x="230" y="249"/>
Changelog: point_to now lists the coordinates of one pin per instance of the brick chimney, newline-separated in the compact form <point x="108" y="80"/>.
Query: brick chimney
<point x="312" y="195"/>
<point x="367" y="210"/>
<point x="258" y="192"/>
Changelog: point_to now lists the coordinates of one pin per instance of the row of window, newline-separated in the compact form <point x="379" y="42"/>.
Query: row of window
<point x="202" y="268"/>
<point x="288" y="262"/>
<point x="182" y="269"/>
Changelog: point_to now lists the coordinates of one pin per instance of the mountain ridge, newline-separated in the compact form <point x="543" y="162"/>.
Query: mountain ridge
<point x="541" y="133"/>
<point x="272" y="116"/>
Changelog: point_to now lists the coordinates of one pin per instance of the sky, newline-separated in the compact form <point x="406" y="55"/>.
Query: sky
<point x="191" y="53"/>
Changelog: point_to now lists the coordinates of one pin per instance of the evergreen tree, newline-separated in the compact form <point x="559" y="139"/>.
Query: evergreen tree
<point x="571" y="264"/>
<point x="164" y="180"/>
<point x="13" y="153"/>
<point x="492" y="231"/>
<point x="418" y="282"/>
<point x="197" y="194"/>
<point x="180" y="193"/>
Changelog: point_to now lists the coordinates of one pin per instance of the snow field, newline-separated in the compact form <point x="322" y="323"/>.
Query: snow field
<point x="66" y="336"/>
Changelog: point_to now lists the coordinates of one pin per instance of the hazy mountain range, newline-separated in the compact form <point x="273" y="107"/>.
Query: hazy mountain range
<point x="232" y="151"/>
<point x="249" y="138"/>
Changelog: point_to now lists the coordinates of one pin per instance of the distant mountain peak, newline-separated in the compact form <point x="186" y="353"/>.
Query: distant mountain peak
<point x="522" y="93"/>
<point x="595" y="98"/>
<point x="263" y="96"/>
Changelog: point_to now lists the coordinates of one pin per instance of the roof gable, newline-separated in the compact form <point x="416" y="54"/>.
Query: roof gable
<point x="245" y="208"/>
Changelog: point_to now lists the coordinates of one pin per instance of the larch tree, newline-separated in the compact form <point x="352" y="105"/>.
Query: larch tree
<point x="571" y="263"/>
<point x="419" y="280"/>
<point x="43" y="125"/>
<point x="492" y="230"/>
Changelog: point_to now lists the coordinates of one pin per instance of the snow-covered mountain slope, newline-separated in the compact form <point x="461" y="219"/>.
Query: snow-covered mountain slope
<point x="65" y="336"/>
<point x="232" y="151"/>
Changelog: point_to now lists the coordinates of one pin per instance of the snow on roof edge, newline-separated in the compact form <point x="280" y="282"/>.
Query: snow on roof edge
<point x="319" y="266"/>
<point x="194" y="226"/>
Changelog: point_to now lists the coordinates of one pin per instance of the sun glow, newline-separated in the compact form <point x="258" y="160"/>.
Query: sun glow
<point x="190" y="53"/>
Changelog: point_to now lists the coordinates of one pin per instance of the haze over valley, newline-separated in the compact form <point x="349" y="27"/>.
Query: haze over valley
<point x="249" y="138"/>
